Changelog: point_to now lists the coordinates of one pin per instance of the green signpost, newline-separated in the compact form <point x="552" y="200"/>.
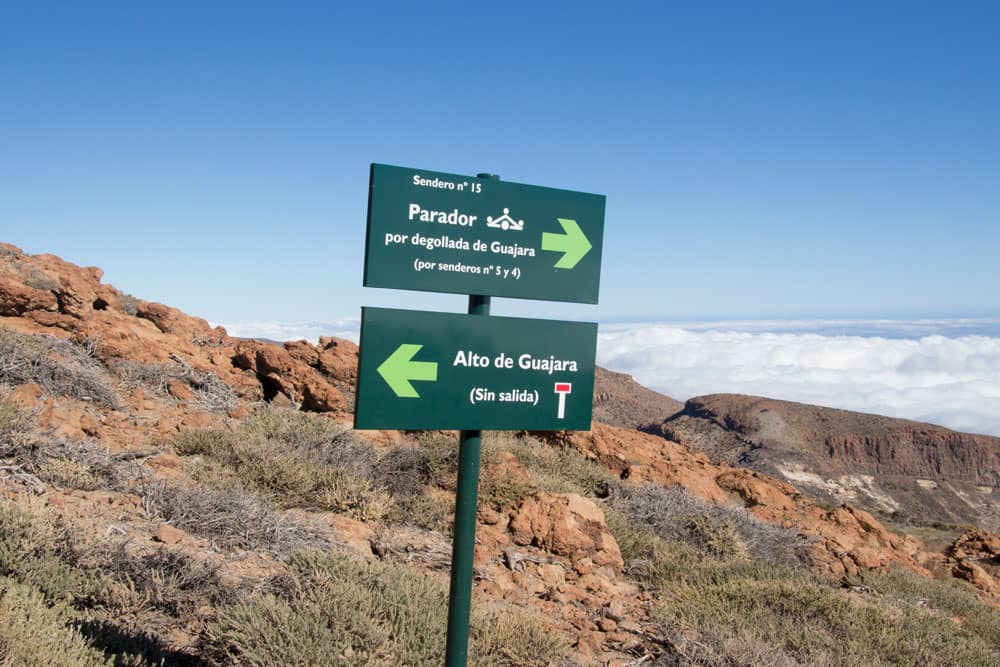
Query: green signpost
<point x="438" y="232"/>
<point x="423" y="370"/>
<point x="483" y="237"/>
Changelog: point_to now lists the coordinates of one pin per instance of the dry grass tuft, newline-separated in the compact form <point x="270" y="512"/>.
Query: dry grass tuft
<point x="675" y="515"/>
<point x="297" y="460"/>
<point x="58" y="366"/>
<point x="80" y="465"/>
<point x="231" y="517"/>
<point x="15" y="424"/>
<point x="333" y="611"/>
<point x="212" y="394"/>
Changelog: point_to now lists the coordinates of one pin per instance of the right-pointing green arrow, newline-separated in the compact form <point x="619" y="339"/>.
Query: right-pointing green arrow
<point x="573" y="244"/>
<point x="400" y="369"/>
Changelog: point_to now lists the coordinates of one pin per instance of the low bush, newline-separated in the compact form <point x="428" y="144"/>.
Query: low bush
<point x="553" y="468"/>
<point x="424" y="511"/>
<point x="14" y="426"/>
<point x="129" y="304"/>
<point x="297" y="460"/>
<point x="507" y="636"/>
<point x="675" y="515"/>
<point x="231" y="517"/>
<point x="404" y="471"/>
<point x="794" y="619"/>
<point x="60" y="367"/>
<point x="333" y="611"/>
<point x="40" y="555"/>
<point x="78" y="465"/>
<point x="36" y="278"/>
<point x="171" y="581"/>
<point x="211" y="393"/>
<point x="34" y="632"/>
<point x="950" y="596"/>
<point x="122" y="602"/>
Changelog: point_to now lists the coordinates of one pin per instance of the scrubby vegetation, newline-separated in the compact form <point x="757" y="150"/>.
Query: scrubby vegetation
<point x="102" y="601"/>
<point x="60" y="367"/>
<point x="210" y="392"/>
<point x="229" y="516"/>
<point x="296" y="460"/>
<point x="754" y="615"/>
<point x="14" y="426"/>
<point x="34" y="633"/>
<point x="677" y="516"/>
<point x="331" y="610"/>
<point x="735" y="608"/>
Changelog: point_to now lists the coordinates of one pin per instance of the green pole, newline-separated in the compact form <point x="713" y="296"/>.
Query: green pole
<point x="463" y="548"/>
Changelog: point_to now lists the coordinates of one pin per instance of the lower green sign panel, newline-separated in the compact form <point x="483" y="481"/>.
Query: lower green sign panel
<point x="423" y="370"/>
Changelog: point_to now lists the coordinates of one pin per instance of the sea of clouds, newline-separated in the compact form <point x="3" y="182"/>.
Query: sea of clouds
<point x="934" y="371"/>
<point x="941" y="371"/>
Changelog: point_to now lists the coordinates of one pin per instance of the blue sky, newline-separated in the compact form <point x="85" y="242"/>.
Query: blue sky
<point x="761" y="160"/>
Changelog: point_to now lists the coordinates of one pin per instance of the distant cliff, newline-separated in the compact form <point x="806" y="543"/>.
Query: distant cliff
<point x="913" y="470"/>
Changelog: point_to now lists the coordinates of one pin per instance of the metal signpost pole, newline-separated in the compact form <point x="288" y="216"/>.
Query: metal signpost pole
<point x="463" y="548"/>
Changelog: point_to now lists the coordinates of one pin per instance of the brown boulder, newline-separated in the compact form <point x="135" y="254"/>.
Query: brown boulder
<point x="169" y="535"/>
<point x="566" y="525"/>
<point x="976" y="575"/>
<point x="17" y="298"/>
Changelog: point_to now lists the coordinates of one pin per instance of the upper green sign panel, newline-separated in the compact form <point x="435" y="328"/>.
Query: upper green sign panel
<point x="447" y="233"/>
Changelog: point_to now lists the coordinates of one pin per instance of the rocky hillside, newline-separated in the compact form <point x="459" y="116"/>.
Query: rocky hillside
<point x="910" y="470"/>
<point x="172" y="495"/>
<point x="621" y="401"/>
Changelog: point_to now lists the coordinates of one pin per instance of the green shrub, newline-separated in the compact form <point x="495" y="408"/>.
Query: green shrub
<point x="500" y="489"/>
<point x="676" y="515"/>
<point x="129" y="304"/>
<point x="719" y="538"/>
<point x="36" y="554"/>
<point x="442" y="458"/>
<point x="404" y="471"/>
<point x="14" y="426"/>
<point x="33" y="633"/>
<point x="122" y="601"/>
<point x="553" y="468"/>
<point x="507" y="636"/>
<point x="950" y="596"/>
<point x="331" y="610"/>
<point x="812" y="622"/>
<point x="424" y="511"/>
<point x="297" y="460"/>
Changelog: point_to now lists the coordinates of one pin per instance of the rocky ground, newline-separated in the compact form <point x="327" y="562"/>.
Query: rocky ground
<point x="201" y="499"/>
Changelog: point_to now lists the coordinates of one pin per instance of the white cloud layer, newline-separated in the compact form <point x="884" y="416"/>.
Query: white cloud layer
<point x="273" y="330"/>
<point x="949" y="380"/>
<point x="941" y="371"/>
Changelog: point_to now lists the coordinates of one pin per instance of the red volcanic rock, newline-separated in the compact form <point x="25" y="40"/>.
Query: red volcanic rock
<point x="17" y="298"/>
<point x="847" y="538"/>
<point x="44" y="294"/>
<point x="566" y="525"/>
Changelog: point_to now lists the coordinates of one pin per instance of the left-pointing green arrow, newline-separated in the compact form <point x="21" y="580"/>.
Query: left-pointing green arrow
<point x="400" y="369"/>
<point x="573" y="244"/>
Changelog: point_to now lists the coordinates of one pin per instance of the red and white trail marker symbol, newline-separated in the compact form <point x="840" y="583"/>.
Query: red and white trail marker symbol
<point x="563" y="388"/>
